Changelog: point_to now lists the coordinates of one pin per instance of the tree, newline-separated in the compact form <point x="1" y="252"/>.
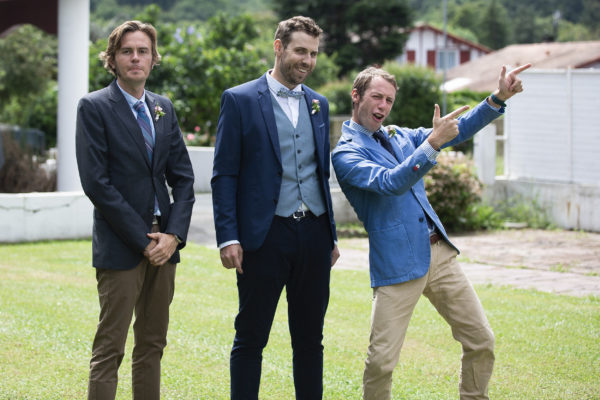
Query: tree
<point x="526" y="30"/>
<point x="494" y="26"/>
<point x="28" y="71"/>
<point x="360" y="33"/>
<point x="28" y="62"/>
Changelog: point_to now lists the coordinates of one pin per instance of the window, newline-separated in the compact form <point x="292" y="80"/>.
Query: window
<point x="446" y="59"/>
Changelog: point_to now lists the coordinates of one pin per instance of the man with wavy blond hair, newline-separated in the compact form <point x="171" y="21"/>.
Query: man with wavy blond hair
<point x="129" y="148"/>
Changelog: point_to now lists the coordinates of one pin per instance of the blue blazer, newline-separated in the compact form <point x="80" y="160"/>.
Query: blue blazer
<point x="119" y="179"/>
<point x="247" y="169"/>
<point x="389" y="196"/>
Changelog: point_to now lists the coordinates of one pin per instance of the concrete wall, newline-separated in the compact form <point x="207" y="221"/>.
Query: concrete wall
<point x="28" y="217"/>
<point x="202" y="162"/>
<point x="569" y="206"/>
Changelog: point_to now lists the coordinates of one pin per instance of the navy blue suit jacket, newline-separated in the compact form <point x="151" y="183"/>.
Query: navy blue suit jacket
<point x="247" y="169"/>
<point x="119" y="179"/>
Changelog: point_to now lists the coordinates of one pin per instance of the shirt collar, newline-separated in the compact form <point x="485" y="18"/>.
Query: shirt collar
<point x="131" y="100"/>
<point x="275" y="85"/>
<point x="358" y="127"/>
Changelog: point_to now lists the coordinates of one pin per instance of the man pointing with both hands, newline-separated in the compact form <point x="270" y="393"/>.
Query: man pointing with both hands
<point x="381" y="173"/>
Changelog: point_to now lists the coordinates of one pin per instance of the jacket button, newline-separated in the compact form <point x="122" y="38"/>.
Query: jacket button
<point x="421" y="219"/>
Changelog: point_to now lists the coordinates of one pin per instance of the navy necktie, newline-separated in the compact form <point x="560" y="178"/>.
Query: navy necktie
<point x="381" y="137"/>
<point x="144" y="123"/>
<point x="290" y="93"/>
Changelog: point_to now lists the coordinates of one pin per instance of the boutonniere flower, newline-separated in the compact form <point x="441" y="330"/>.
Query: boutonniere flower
<point x="158" y="112"/>
<point x="316" y="107"/>
<point x="391" y="131"/>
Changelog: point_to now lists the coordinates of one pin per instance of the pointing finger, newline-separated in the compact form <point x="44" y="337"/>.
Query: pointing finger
<point x="503" y="72"/>
<point x="520" y="69"/>
<point x="456" y="112"/>
<point x="436" y="112"/>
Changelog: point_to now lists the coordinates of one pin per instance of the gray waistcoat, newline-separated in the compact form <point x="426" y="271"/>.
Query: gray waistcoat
<point x="300" y="182"/>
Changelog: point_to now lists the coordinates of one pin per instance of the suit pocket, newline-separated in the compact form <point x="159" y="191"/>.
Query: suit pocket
<point x="391" y="248"/>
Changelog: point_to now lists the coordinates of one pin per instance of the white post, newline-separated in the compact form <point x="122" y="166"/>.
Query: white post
<point x="484" y="154"/>
<point x="73" y="70"/>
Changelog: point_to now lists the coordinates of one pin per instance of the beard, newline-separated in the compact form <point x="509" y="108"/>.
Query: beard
<point x="291" y="74"/>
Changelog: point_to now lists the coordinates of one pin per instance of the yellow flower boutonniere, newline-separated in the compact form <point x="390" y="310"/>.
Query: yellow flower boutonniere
<point x="158" y="112"/>
<point x="316" y="107"/>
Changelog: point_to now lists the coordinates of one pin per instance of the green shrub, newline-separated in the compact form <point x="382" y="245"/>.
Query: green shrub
<point x="528" y="211"/>
<point x="418" y="91"/>
<point x="338" y="96"/>
<point x="454" y="191"/>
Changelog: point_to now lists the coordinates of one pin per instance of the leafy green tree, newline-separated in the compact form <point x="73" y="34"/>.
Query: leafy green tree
<point x="360" y="33"/>
<point x="525" y="27"/>
<point x="494" y="26"/>
<point x="29" y="60"/>
<point x="28" y="70"/>
<point x="466" y="17"/>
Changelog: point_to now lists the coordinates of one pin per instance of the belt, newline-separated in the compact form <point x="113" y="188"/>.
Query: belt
<point x="156" y="220"/>
<point x="301" y="214"/>
<point x="434" y="238"/>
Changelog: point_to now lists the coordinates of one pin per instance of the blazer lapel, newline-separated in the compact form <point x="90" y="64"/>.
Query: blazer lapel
<point x="316" y="120"/>
<point x="266" y="107"/>
<point x="369" y="143"/>
<point x="125" y="115"/>
<point x="159" y="131"/>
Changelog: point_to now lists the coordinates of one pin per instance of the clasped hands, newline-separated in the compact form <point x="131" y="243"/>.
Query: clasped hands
<point x="446" y="128"/>
<point x="161" y="248"/>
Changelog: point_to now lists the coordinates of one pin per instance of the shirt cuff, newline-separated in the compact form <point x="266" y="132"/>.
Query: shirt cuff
<point x="498" y="109"/>
<point x="228" y="243"/>
<point x="430" y="152"/>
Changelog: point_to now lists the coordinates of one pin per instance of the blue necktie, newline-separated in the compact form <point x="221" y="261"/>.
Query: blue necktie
<point x="144" y="123"/>
<point x="290" y="93"/>
<point x="380" y="137"/>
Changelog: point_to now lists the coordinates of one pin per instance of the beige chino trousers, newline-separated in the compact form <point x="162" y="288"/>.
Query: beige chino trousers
<point x="451" y="293"/>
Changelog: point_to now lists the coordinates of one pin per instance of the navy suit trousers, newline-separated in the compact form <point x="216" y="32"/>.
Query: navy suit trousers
<point x="295" y="255"/>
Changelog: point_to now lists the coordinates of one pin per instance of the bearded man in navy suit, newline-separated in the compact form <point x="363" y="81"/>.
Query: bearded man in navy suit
<point x="129" y="148"/>
<point x="273" y="212"/>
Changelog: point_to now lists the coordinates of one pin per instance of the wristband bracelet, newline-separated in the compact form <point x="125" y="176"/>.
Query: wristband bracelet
<point x="497" y="100"/>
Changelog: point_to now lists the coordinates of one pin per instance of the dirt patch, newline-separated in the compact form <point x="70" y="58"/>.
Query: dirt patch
<point x="551" y="250"/>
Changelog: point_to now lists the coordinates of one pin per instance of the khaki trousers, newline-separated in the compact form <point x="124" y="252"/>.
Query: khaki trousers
<point x="149" y="291"/>
<point x="450" y="292"/>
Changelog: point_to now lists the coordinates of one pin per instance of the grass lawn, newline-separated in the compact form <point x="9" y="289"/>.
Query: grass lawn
<point x="548" y="346"/>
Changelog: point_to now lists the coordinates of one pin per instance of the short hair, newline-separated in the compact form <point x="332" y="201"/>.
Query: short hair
<point x="295" y="24"/>
<point x="115" y="38"/>
<point x="364" y="78"/>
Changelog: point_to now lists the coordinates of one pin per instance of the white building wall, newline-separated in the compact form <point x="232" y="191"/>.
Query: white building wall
<point x="552" y="138"/>
<point x="551" y="130"/>
<point x="585" y="127"/>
